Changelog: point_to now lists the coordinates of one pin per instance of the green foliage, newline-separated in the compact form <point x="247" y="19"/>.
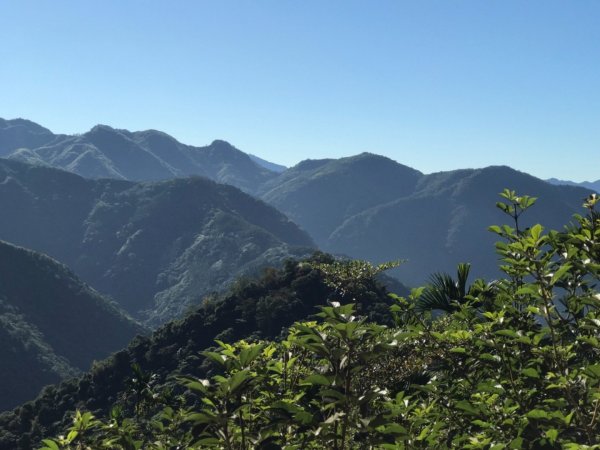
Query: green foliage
<point x="261" y="308"/>
<point x="509" y="367"/>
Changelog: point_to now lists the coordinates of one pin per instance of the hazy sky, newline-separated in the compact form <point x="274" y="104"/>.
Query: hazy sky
<point x="435" y="85"/>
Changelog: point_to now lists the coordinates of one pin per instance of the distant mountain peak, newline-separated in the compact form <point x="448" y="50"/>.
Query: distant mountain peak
<point x="221" y="143"/>
<point x="22" y="122"/>
<point x="593" y="185"/>
<point x="22" y="133"/>
<point x="101" y="128"/>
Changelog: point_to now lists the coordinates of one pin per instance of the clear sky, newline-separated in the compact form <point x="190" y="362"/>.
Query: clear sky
<point x="435" y="85"/>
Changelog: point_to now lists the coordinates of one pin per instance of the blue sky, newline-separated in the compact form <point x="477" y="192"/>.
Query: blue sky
<point x="436" y="85"/>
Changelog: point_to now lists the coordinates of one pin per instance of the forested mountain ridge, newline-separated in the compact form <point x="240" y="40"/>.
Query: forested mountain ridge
<point x="371" y="207"/>
<point x="593" y="185"/>
<point x="105" y="152"/>
<point x="52" y="325"/>
<point x="320" y="194"/>
<point x="257" y="308"/>
<point x="445" y="221"/>
<point x="152" y="246"/>
<point x="367" y="206"/>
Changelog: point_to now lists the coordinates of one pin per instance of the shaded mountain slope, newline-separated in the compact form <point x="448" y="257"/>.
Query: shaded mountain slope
<point x="258" y="308"/>
<point x="105" y="152"/>
<point x="319" y="195"/>
<point x="445" y="221"/>
<point x="52" y="324"/>
<point x="183" y="237"/>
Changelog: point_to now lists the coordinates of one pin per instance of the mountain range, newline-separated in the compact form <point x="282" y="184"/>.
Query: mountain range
<point x="371" y="207"/>
<point x="592" y="185"/>
<point x="365" y="206"/>
<point x="52" y="325"/>
<point x="161" y="227"/>
<point x="156" y="247"/>
<point x="105" y="152"/>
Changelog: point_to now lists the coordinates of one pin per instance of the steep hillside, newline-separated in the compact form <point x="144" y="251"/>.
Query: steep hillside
<point x="105" y="152"/>
<point x="168" y="242"/>
<point x="319" y="195"/>
<point x="52" y="325"/>
<point x="259" y="308"/>
<point x="445" y="221"/>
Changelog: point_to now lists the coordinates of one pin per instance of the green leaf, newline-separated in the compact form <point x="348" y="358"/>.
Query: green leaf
<point x="528" y="289"/>
<point x="537" y="414"/>
<point x="201" y="417"/>
<point x="50" y="444"/>
<point x="396" y="429"/>
<point x="516" y="443"/>
<point x="467" y="407"/>
<point x="530" y="372"/>
<point x="568" y="418"/>
<point x="72" y="435"/>
<point x="562" y="270"/>
<point x="216" y="357"/>
<point x="552" y="434"/>
<point x="593" y="371"/>
<point x="536" y="231"/>
<point x="507" y="333"/>
<point x="481" y="423"/>
<point x="495" y="229"/>
<point x="249" y="354"/>
<point x="458" y="350"/>
<point x="238" y="379"/>
<point x="317" y="379"/>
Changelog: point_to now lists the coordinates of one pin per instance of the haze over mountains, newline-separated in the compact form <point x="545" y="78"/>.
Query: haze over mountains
<point x="365" y="206"/>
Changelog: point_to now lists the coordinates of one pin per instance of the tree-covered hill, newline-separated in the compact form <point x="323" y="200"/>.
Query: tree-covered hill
<point x="259" y="308"/>
<point x="105" y="152"/>
<point x="373" y="208"/>
<point x="52" y="325"/>
<point x="156" y="247"/>
<point x="444" y="222"/>
<point x="320" y="194"/>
